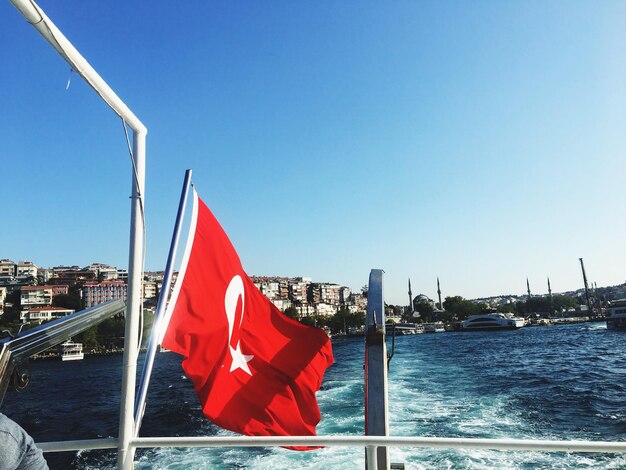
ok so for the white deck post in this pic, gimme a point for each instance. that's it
(38, 19)
(372, 462)
(133, 306)
(376, 421)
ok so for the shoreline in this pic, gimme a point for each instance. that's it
(49, 356)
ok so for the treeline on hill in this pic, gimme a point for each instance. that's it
(109, 334)
(457, 308)
(339, 323)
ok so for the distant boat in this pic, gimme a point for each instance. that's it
(493, 321)
(403, 329)
(616, 317)
(70, 351)
(436, 327)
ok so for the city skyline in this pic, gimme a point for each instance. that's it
(479, 143)
(257, 279)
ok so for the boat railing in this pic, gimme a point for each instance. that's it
(369, 442)
(15, 351)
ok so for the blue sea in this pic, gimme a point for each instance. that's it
(555, 382)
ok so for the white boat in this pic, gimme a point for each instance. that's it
(436, 327)
(403, 329)
(616, 316)
(493, 321)
(70, 351)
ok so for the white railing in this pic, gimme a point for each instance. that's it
(370, 443)
(535, 445)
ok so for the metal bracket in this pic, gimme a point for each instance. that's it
(15, 350)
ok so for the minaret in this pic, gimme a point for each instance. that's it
(550, 295)
(439, 294)
(528, 288)
(582, 265)
(410, 298)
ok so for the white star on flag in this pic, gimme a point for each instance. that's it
(240, 360)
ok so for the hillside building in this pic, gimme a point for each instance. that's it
(95, 293)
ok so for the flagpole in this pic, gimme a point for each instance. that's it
(158, 316)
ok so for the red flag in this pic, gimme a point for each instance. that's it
(255, 370)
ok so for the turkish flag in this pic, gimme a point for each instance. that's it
(255, 370)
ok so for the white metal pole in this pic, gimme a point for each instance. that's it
(38, 19)
(159, 325)
(133, 306)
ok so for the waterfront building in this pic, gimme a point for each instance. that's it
(355, 309)
(44, 275)
(423, 298)
(95, 293)
(322, 292)
(35, 296)
(71, 275)
(344, 295)
(149, 289)
(41, 314)
(153, 275)
(60, 289)
(62, 268)
(103, 272)
(25, 269)
(269, 289)
(329, 293)
(393, 318)
(359, 301)
(325, 310)
(7, 268)
(14, 284)
(41, 295)
(272, 287)
(305, 310)
(313, 293)
(298, 290)
(283, 289)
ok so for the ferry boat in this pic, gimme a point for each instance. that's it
(616, 316)
(437, 327)
(492, 321)
(71, 351)
(403, 329)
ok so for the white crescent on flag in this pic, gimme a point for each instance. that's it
(234, 290)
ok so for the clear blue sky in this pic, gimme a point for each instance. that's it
(481, 142)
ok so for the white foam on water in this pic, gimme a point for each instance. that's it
(426, 398)
(191, 459)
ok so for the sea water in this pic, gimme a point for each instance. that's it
(554, 382)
